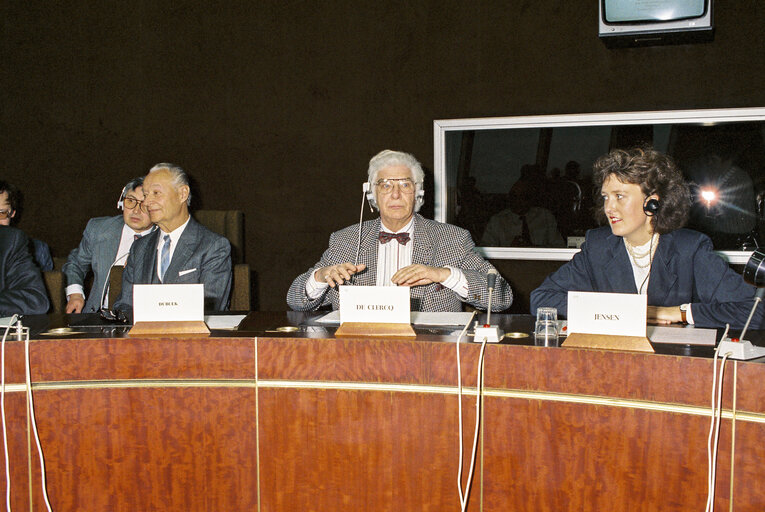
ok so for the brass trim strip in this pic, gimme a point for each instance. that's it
(547, 396)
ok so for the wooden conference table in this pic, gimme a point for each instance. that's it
(260, 419)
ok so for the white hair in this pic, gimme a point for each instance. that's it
(179, 176)
(388, 158)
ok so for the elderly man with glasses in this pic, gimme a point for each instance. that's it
(105, 243)
(401, 248)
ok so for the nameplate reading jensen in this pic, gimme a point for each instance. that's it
(168, 302)
(375, 304)
(619, 314)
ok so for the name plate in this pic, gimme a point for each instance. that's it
(375, 304)
(619, 314)
(168, 302)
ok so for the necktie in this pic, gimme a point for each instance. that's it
(386, 237)
(136, 237)
(164, 261)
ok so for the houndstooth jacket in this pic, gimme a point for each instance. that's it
(435, 244)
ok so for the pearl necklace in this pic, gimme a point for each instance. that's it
(636, 255)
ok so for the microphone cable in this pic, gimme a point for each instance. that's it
(464, 495)
(13, 319)
(31, 411)
(31, 404)
(106, 282)
(364, 190)
(714, 426)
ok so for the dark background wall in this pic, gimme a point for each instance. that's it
(275, 107)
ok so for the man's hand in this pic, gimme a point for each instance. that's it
(75, 303)
(664, 315)
(418, 275)
(337, 274)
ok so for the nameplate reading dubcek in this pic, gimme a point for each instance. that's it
(620, 314)
(375, 304)
(168, 302)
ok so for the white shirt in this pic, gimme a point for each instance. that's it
(174, 236)
(391, 257)
(123, 249)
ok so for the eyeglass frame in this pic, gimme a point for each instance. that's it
(398, 181)
(6, 214)
(138, 202)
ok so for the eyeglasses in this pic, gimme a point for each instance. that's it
(5, 214)
(405, 185)
(131, 203)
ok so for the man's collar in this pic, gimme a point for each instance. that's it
(405, 229)
(176, 233)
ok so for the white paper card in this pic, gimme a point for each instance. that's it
(620, 314)
(686, 335)
(224, 321)
(168, 302)
(378, 304)
(430, 318)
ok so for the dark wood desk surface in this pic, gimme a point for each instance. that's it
(272, 421)
(268, 323)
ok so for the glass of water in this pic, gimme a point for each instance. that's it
(546, 327)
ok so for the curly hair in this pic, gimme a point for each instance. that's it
(655, 173)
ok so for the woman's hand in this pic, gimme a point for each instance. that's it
(664, 315)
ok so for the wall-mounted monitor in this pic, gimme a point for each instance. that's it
(654, 22)
(489, 172)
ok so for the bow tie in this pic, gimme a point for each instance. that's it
(386, 237)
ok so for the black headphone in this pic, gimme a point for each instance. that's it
(651, 206)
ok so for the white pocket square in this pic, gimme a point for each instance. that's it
(184, 272)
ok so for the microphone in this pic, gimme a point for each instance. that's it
(754, 274)
(487, 332)
(491, 280)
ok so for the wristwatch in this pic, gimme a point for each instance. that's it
(684, 313)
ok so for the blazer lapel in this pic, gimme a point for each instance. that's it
(150, 259)
(663, 279)
(182, 252)
(422, 252)
(368, 255)
(618, 269)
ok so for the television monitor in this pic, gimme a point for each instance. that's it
(625, 23)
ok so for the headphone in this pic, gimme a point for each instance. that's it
(120, 202)
(419, 196)
(651, 206)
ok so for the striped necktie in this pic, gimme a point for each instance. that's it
(164, 261)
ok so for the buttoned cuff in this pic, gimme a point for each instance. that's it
(313, 288)
(689, 315)
(74, 288)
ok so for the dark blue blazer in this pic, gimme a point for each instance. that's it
(685, 270)
(22, 289)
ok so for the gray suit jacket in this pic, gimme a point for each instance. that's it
(97, 251)
(435, 244)
(206, 254)
(22, 289)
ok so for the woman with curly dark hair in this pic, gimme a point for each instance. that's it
(646, 203)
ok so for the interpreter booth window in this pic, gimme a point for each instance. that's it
(523, 186)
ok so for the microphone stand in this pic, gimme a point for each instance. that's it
(740, 348)
(489, 333)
